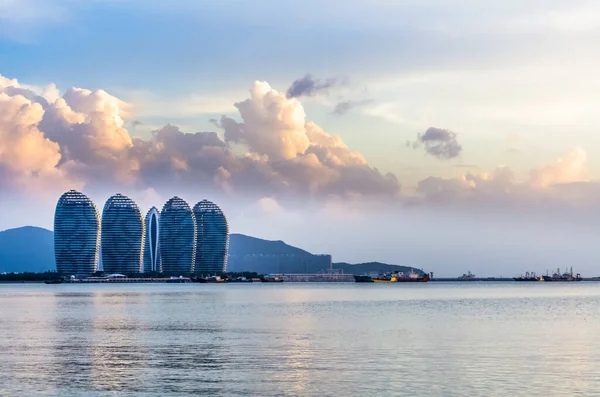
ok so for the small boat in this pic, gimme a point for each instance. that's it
(57, 281)
(240, 280)
(271, 279)
(212, 279)
(466, 277)
(216, 279)
(179, 279)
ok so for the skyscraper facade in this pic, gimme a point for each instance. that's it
(152, 250)
(122, 235)
(76, 234)
(177, 237)
(212, 240)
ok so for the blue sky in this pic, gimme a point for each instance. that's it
(516, 81)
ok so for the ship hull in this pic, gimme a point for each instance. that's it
(367, 279)
(526, 279)
(559, 280)
(415, 280)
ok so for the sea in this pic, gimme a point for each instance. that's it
(422, 339)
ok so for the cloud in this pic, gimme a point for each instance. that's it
(81, 140)
(28, 160)
(341, 108)
(564, 180)
(309, 86)
(269, 205)
(273, 124)
(82, 136)
(439, 143)
(298, 154)
(568, 169)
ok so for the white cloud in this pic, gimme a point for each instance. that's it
(568, 169)
(288, 156)
(273, 124)
(270, 206)
(556, 182)
(82, 139)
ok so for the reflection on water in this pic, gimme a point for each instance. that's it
(306, 339)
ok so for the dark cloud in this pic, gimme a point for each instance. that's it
(309, 86)
(33, 97)
(341, 108)
(438, 142)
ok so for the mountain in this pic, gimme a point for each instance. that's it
(27, 249)
(240, 244)
(31, 249)
(263, 256)
(373, 267)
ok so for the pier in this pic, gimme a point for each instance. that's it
(102, 280)
(316, 277)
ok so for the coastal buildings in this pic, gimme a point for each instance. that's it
(76, 234)
(177, 237)
(122, 236)
(176, 240)
(212, 241)
(152, 247)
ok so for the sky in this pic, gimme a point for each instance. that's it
(449, 135)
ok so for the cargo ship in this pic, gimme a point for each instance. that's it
(399, 277)
(566, 276)
(529, 277)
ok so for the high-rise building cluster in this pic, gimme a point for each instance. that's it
(176, 240)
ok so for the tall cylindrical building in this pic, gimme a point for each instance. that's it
(212, 238)
(76, 235)
(152, 246)
(177, 237)
(122, 235)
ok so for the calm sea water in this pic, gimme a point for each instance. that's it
(446, 339)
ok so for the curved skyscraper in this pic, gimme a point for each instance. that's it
(122, 235)
(177, 237)
(212, 238)
(76, 234)
(152, 247)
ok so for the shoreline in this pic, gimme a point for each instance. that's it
(164, 281)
